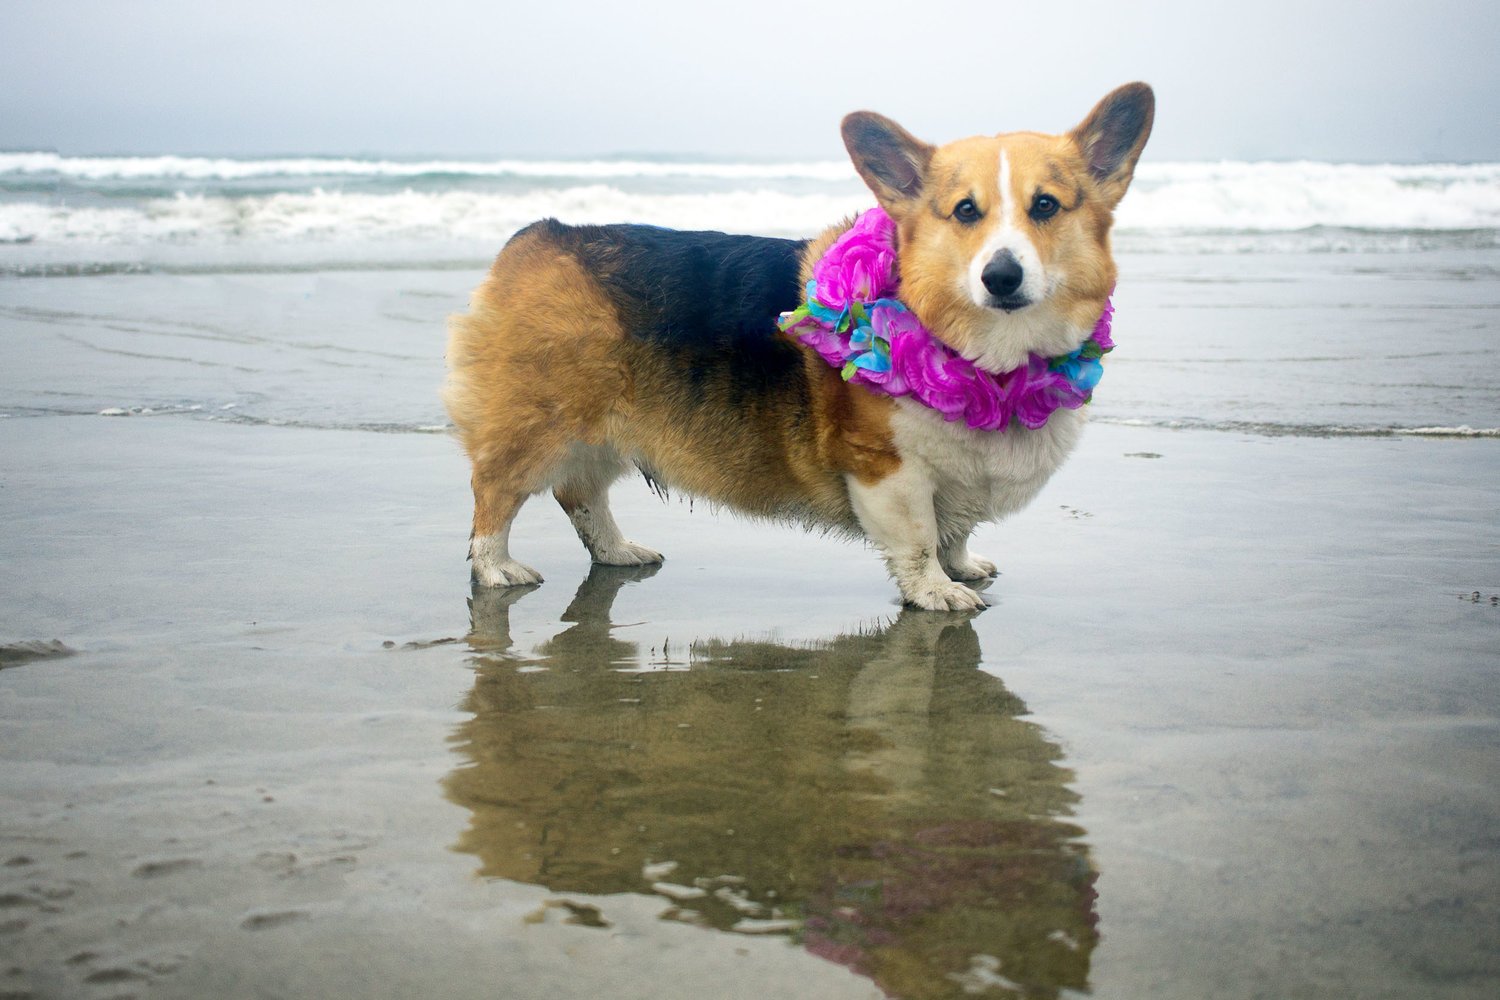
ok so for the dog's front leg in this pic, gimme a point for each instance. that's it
(897, 515)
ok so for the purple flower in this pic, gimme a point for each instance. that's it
(831, 347)
(861, 265)
(1101, 335)
(1040, 392)
(924, 367)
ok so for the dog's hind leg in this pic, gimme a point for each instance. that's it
(961, 564)
(536, 368)
(583, 492)
(503, 478)
(495, 508)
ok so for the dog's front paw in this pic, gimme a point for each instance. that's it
(968, 566)
(945, 595)
(505, 573)
(628, 554)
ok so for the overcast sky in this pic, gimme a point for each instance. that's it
(1363, 81)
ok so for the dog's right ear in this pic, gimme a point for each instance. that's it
(892, 161)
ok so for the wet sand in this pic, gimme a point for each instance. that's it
(1228, 730)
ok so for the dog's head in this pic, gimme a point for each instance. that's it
(1004, 240)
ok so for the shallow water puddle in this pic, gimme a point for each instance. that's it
(875, 797)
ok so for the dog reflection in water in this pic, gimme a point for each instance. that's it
(876, 796)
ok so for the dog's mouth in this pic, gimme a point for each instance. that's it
(1009, 303)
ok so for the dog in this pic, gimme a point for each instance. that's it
(591, 349)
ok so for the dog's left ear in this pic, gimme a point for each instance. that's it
(892, 161)
(1112, 136)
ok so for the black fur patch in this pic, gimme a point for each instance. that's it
(712, 299)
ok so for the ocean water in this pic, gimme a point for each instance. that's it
(74, 212)
(1276, 298)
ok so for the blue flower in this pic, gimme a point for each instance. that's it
(874, 360)
(836, 318)
(1083, 373)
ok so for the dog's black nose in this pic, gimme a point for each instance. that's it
(1002, 275)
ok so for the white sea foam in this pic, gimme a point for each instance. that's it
(222, 168)
(409, 215)
(1270, 197)
(312, 199)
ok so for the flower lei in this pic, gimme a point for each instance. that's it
(854, 321)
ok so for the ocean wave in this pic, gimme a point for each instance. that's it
(140, 168)
(1204, 207)
(323, 215)
(1272, 197)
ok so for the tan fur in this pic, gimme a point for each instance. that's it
(542, 361)
(1076, 240)
(531, 371)
(549, 388)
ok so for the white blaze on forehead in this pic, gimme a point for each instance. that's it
(1008, 235)
(1007, 199)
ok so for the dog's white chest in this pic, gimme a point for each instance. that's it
(982, 475)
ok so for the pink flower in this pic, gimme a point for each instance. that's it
(831, 347)
(1040, 391)
(933, 374)
(1103, 327)
(861, 266)
(923, 367)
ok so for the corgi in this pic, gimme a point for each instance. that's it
(589, 350)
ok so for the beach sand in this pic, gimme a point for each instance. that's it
(1228, 729)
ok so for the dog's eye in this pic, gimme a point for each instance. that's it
(966, 211)
(1044, 207)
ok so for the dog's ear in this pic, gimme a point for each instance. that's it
(892, 161)
(1112, 136)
